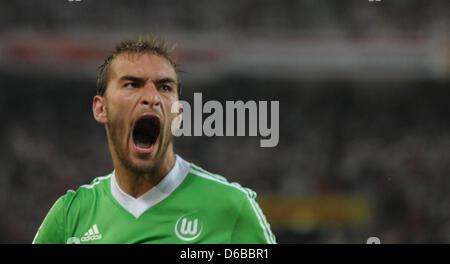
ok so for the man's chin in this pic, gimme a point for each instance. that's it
(141, 168)
(142, 163)
(139, 163)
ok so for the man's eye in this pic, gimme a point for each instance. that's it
(165, 88)
(131, 85)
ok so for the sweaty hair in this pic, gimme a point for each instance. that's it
(150, 45)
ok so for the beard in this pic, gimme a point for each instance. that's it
(116, 134)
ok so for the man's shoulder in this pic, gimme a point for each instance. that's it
(230, 201)
(87, 192)
(218, 185)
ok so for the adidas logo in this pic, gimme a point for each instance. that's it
(92, 234)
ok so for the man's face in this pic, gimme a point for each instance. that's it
(137, 103)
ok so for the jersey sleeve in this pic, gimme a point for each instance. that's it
(52, 229)
(251, 225)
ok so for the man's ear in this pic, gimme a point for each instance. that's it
(180, 109)
(99, 109)
(177, 109)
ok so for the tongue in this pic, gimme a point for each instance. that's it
(142, 141)
(143, 145)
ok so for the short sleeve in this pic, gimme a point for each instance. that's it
(251, 225)
(52, 229)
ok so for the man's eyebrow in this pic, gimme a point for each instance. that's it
(165, 80)
(131, 78)
(143, 80)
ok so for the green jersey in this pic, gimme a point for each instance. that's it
(190, 205)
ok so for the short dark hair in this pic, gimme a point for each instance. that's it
(151, 45)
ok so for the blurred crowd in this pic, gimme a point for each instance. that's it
(345, 18)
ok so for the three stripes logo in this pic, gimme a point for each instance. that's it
(92, 234)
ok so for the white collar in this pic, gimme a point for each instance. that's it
(137, 206)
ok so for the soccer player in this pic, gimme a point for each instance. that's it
(152, 195)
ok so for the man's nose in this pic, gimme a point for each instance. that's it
(150, 95)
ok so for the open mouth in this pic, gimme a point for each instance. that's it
(146, 132)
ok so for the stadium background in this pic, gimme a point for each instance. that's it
(364, 114)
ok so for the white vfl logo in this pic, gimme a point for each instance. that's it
(373, 240)
(188, 229)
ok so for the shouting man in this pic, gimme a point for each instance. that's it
(152, 195)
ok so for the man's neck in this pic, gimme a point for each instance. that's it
(137, 184)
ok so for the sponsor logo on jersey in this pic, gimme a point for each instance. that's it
(188, 228)
(91, 235)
